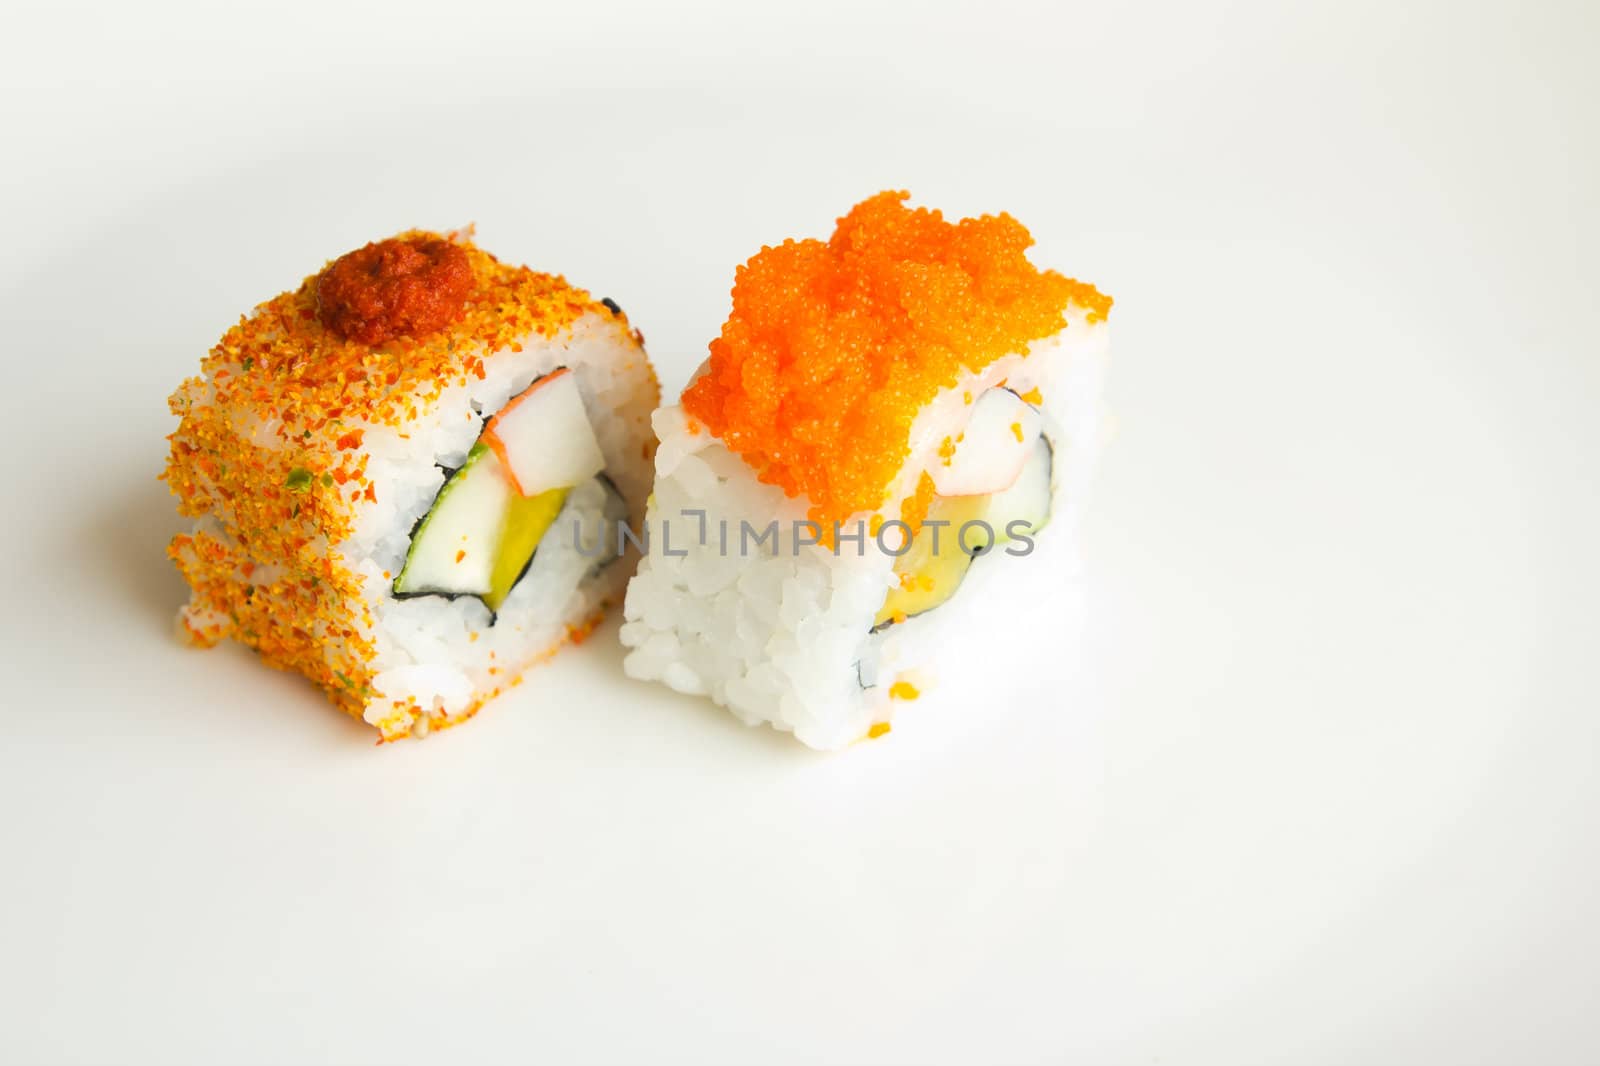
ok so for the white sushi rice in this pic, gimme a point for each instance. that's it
(783, 637)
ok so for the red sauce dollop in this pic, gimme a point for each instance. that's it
(401, 287)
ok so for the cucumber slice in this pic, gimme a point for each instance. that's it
(479, 534)
(1024, 508)
(455, 548)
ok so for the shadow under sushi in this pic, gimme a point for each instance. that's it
(123, 547)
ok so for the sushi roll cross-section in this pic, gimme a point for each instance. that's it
(404, 475)
(886, 415)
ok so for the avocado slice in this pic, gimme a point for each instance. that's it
(929, 576)
(527, 520)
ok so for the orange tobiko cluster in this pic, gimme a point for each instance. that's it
(834, 347)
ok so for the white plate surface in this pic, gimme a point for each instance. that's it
(1304, 770)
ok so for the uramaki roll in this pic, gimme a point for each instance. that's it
(390, 469)
(885, 415)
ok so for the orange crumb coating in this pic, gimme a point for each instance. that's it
(833, 348)
(267, 448)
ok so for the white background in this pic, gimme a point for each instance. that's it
(1306, 773)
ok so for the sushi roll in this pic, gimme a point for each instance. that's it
(886, 416)
(401, 474)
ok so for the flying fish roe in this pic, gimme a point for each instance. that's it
(914, 508)
(833, 348)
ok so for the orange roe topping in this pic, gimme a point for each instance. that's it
(876, 730)
(832, 348)
(914, 508)
(404, 286)
(903, 690)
